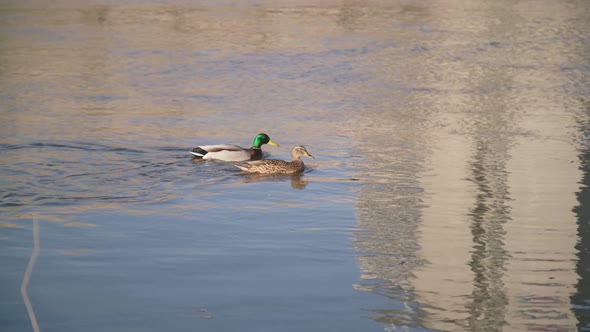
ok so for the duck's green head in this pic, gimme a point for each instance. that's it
(261, 139)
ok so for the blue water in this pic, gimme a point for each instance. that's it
(447, 194)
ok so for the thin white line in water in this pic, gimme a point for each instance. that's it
(32, 260)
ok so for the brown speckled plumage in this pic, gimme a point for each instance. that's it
(276, 166)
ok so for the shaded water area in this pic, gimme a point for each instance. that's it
(449, 190)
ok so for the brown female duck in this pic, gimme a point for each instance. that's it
(276, 166)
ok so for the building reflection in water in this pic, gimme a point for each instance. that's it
(470, 184)
(580, 300)
(490, 212)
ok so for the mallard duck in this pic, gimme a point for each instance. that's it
(230, 152)
(276, 166)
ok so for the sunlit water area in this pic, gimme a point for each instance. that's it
(449, 190)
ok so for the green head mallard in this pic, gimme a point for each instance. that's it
(231, 152)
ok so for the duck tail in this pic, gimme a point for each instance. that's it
(242, 167)
(198, 152)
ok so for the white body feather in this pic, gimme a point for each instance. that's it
(225, 152)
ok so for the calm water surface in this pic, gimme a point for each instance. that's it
(449, 191)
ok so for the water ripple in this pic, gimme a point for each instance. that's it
(58, 174)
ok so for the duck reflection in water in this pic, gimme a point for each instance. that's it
(296, 181)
